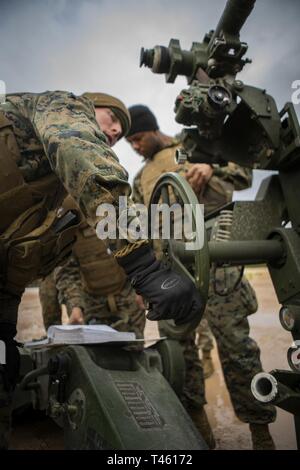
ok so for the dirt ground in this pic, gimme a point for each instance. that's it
(34, 431)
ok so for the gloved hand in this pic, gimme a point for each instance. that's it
(170, 295)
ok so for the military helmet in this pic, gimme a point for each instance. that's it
(102, 100)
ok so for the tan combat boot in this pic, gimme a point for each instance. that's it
(261, 437)
(200, 420)
(207, 364)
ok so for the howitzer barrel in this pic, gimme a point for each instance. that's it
(233, 18)
(267, 388)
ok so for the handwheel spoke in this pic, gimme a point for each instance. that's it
(165, 195)
(194, 264)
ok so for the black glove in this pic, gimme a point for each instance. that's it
(170, 295)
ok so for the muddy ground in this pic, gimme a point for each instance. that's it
(34, 431)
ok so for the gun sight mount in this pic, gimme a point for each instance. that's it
(221, 52)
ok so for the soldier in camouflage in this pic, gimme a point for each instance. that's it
(91, 284)
(205, 344)
(51, 144)
(231, 297)
(51, 308)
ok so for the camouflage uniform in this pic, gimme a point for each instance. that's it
(57, 132)
(51, 309)
(226, 315)
(204, 338)
(205, 344)
(49, 139)
(239, 354)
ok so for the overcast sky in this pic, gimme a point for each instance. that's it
(94, 45)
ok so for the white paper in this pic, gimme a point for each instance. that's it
(82, 334)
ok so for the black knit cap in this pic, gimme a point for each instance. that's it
(142, 120)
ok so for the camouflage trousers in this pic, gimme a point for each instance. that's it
(193, 390)
(204, 336)
(51, 308)
(239, 354)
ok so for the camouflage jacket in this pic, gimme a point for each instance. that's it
(57, 132)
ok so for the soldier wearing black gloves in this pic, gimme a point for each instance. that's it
(170, 295)
(51, 144)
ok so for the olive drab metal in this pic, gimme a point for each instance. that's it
(111, 399)
(232, 121)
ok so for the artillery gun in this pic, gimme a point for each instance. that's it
(230, 121)
(110, 396)
(107, 398)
